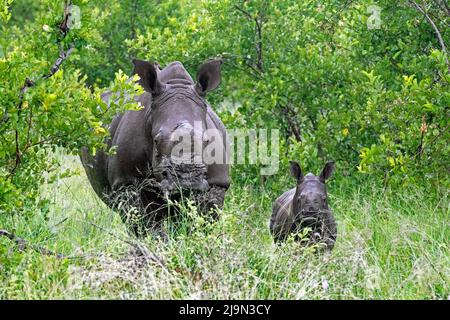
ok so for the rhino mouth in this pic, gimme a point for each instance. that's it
(308, 218)
(311, 222)
(168, 185)
(179, 178)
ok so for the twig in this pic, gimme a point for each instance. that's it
(248, 15)
(444, 6)
(141, 248)
(23, 245)
(258, 31)
(64, 26)
(63, 55)
(246, 62)
(423, 130)
(447, 7)
(433, 15)
(436, 30)
(422, 144)
(290, 115)
(259, 44)
(30, 118)
(28, 83)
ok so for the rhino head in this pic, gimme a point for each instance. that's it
(176, 122)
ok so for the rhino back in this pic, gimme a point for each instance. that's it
(281, 221)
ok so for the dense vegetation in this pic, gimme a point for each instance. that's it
(373, 97)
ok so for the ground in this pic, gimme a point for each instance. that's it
(391, 245)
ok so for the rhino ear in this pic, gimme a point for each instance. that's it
(296, 171)
(327, 171)
(208, 76)
(148, 72)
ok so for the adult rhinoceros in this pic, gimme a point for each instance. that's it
(142, 171)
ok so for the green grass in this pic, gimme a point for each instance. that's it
(391, 245)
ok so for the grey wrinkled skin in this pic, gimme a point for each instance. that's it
(141, 175)
(305, 206)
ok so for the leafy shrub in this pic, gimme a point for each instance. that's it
(46, 105)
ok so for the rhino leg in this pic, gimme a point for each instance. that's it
(330, 230)
(211, 200)
(324, 235)
(281, 225)
(140, 210)
(155, 211)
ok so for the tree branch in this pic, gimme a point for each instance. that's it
(141, 249)
(258, 31)
(259, 44)
(444, 6)
(28, 83)
(436, 30)
(290, 115)
(63, 55)
(23, 245)
(248, 15)
(247, 63)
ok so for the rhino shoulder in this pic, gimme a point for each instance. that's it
(282, 220)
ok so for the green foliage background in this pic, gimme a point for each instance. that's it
(377, 101)
(337, 89)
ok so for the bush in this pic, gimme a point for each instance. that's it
(46, 105)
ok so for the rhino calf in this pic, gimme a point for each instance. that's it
(305, 206)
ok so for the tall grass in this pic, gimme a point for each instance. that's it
(391, 245)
